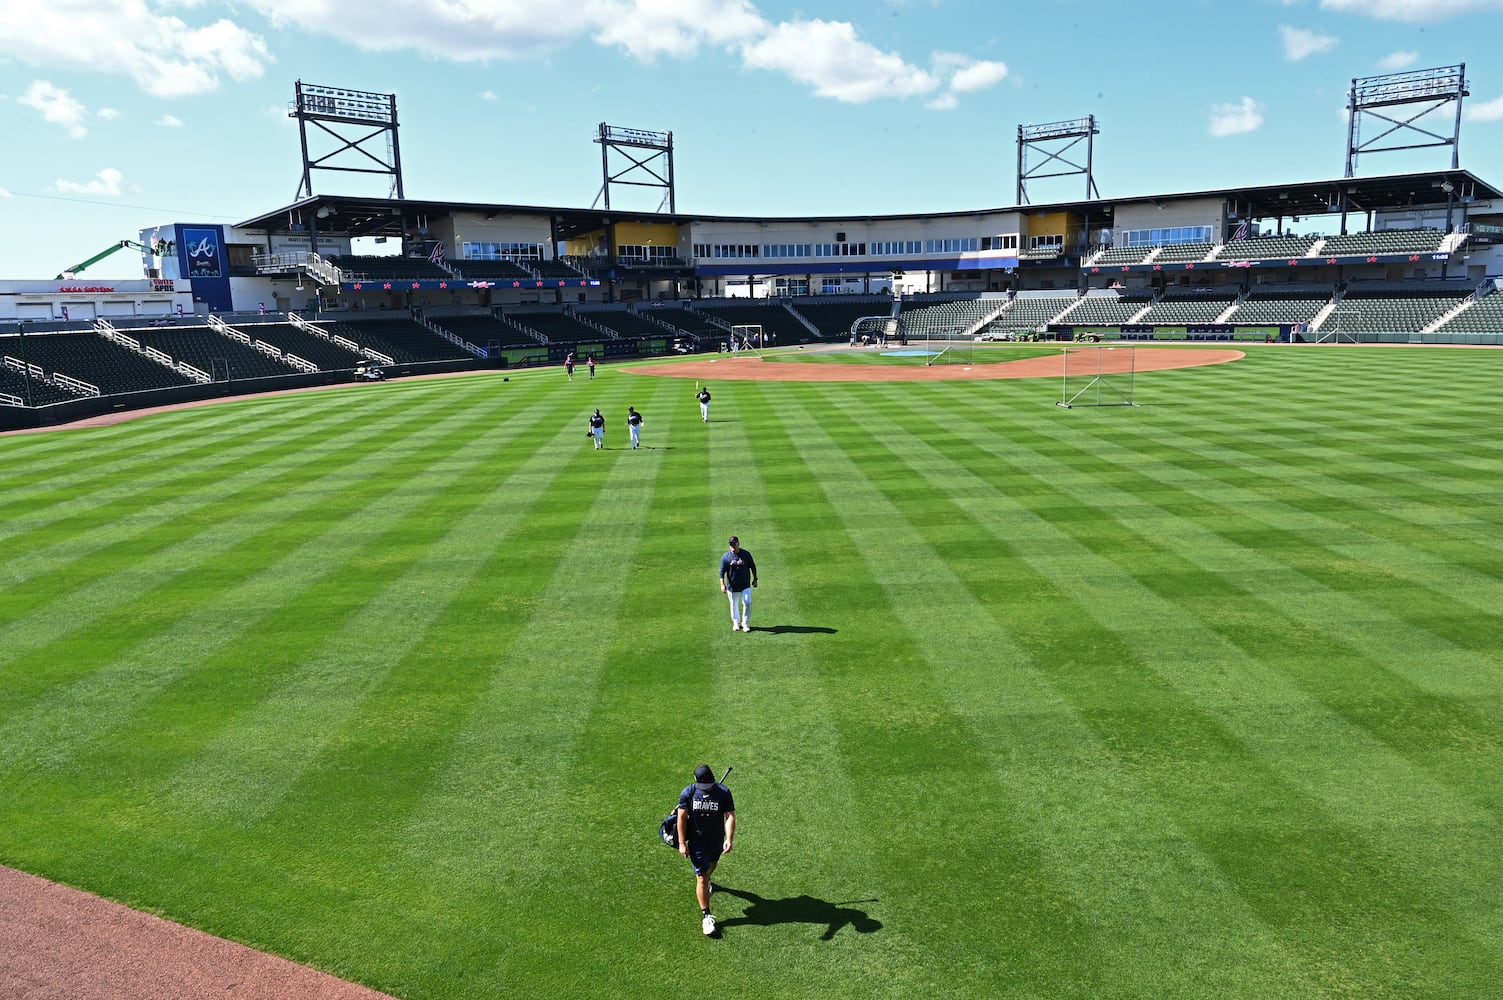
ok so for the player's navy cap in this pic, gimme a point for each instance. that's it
(734, 541)
(703, 774)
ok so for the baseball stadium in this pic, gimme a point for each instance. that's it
(1129, 619)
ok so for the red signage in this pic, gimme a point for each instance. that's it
(86, 288)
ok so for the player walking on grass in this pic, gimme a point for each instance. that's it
(706, 830)
(634, 424)
(597, 429)
(703, 396)
(738, 575)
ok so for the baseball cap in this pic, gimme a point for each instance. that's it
(734, 541)
(703, 774)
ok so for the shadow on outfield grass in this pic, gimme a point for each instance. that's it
(763, 912)
(796, 630)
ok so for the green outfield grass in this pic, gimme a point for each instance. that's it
(1201, 698)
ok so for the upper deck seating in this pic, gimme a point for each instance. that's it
(1288, 246)
(1184, 253)
(1384, 241)
(1123, 255)
(491, 270)
(356, 268)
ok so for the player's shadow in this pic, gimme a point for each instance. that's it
(796, 630)
(763, 912)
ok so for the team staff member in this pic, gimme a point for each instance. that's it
(706, 830)
(597, 429)
(738, 575)
(704, 403)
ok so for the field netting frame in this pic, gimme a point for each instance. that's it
(1100, 376)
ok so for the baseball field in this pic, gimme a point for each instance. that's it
(1200, 697)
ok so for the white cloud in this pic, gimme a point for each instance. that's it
(170, 121)
(4, 193)
(1395, 61)
(165, 56)
(457, 31)
(1485, 111)
(829, 58)
(56, 106)
(650, 28)
(1235, 119)
(487, 95)
(108, 114)
(1412, 11)
(944, 102)
(108, 181)
(969, 75)
(1300, 43)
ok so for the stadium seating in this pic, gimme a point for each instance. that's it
(102, 363)
(1383, 241)
(1266, 247)
(1391, 310)
(491, 270)
(554, 269)
(1031, 309)
(389, 268)
(401, 339)
(1108, 309)
(40, 393)
(626, 323)
(1189, 307)
(833, 318)
(1184, 252)
(688, 321)
(1277, 306)
(323, 352)
(773, 317)
(1483, 316)
(951, 319)
(556, 326)
(483, 331)
(213, 353)
(1123, 255)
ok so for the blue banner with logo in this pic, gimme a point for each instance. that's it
(201, 259)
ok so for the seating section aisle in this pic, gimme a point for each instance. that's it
(688, 321)
(1189, 307)
(1275, 306)
(1483, 316)
(102, 363)
(14, 383)
(1391, 311)
(1028, 311)
(392, 268)
(328, 355)
(405, 341)
(213, 353)
(555, 269)
(491, 270)
(833, 320)
(774, 318)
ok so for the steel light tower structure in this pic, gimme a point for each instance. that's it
(650, 156)
(1069, 134)
(351, 119)
(1398, 102)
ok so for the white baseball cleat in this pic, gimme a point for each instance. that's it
(708, 924)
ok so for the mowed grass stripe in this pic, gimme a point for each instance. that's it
(1207, 741)
(911, 756)
(1400, 808)
(187, 601)
(1066, 848)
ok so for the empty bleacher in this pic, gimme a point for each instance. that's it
(833, 318)
(1183, 253)
(956, 318)
(687, 320)
(1483, 316)
(1032, 309)
(483, 331)
(367, 268)
(1391, 310)
(1383, 241)
(1108, 308)
(24, 388)
(557, 326)
(110, 367)
(1189, 307)
(491, 270)
(626, 323)
(293, 339)
(403, 340)
(555, 269)
(1288, 246)
(212, 353)
(1276, 306)
(1123, 255)
(773, 317)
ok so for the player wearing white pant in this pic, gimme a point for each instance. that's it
(634, 424)
(704, 404)
(738, 577)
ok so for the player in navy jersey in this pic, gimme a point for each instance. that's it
(738, 575)
(597, 429)
(706, 830)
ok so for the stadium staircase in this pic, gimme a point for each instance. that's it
(271, 350)
(459, 342)
(107, 330)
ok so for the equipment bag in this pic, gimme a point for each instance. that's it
(668, 830)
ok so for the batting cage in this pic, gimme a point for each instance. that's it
(1097, 376)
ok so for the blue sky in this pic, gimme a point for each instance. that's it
(121, 114)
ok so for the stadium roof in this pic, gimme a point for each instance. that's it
(392, 217)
